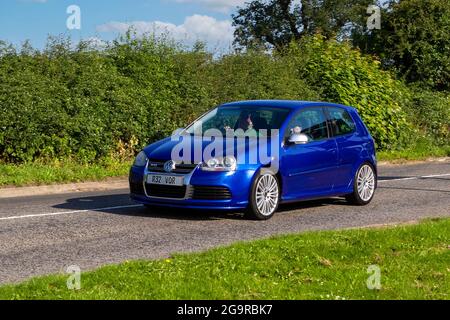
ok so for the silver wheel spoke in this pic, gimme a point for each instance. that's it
(366, 183)
(267, 194)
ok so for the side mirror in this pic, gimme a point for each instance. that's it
(298, 138)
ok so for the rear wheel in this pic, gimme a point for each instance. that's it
(363, 186)
(264, 197)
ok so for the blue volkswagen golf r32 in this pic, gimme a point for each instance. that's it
(254, 155)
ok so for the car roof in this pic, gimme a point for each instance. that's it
(290, 104)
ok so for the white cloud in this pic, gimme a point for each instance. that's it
(223, 6)
(197, 27)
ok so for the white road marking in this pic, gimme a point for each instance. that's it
(437, 175)
(138, 205)
(416, 178)
(400, 179)
(68, 212)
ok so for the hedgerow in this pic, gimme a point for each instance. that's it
(88, 103)
(343, 75)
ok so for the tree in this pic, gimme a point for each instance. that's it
(414, 40)
(275, 23)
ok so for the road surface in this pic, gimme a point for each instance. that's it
(45, 234)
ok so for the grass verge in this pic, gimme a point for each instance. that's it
(414, 261)
(60, 172)
(422, 150)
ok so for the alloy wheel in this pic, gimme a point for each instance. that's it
(366, 183)
(267, 194)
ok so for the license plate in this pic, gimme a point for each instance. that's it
(165, 180)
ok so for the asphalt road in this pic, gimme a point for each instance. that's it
(46, 234)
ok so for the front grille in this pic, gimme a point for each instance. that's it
(158, 166)
(162, 191)
(211, 193)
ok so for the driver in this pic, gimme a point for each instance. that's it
(245, 123)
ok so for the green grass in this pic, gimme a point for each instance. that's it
(414, 262)
(60, 172)
(422, 150)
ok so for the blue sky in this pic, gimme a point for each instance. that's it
(185, 20)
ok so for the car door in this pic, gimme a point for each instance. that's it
(349, 143)
(307, 169)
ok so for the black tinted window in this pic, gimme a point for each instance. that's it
(341, 121)
(311, 122)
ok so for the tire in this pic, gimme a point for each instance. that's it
(264, 197)
(364, 185)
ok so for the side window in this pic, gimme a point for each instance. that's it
(341, 122)
(311, 122)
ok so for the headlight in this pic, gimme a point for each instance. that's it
(227, 163)
(141, 160)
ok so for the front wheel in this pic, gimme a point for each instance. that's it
(363, 186)
(264, 197)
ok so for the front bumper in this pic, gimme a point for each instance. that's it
(238, 183)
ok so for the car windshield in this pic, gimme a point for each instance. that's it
(240, 121)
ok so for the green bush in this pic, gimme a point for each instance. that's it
(91, 104)
(343, 75)
(257, 75)
(87, 104)
(430, 112)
